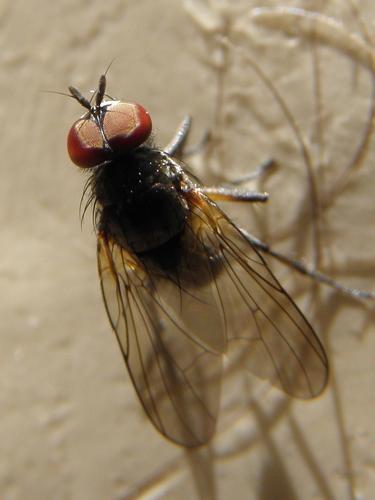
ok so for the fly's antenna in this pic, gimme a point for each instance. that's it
(76, 94)
(100, 93)
(94, 110)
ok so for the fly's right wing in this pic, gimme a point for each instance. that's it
(274, 339)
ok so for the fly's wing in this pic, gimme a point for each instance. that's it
(176, 378)
(276, 340)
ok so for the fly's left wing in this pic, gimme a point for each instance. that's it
(176, 378)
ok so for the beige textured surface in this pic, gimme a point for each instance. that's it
(71, 427)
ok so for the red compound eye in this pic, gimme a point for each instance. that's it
(85, 144)
(125, 126)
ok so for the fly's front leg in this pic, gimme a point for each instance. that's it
(176, 145)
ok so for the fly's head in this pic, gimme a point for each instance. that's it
(108, 128)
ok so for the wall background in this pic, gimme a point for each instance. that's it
(70, 426)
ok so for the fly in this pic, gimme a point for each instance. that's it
(180, 281)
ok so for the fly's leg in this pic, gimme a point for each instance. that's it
(230, 193)
(176, 145)
(197, 148)
(234, 194)
(263, 169)
(222, 193)
(301, 268)
(218, 193)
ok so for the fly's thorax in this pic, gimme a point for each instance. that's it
(126, 177)
(142, 206)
